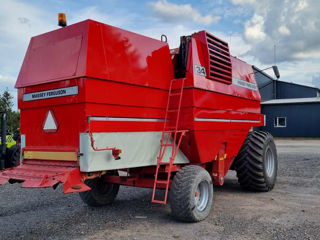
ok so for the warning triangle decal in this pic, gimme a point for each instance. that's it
(50, 124)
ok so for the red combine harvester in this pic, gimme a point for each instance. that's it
(103, 107)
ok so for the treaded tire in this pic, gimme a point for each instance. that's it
(12, 156)
(101, 193)
(251, 163)
(183, 191)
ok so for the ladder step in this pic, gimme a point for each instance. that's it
(162, 181)
(172, 130)
(159, 201)
(168, 145)
(164, 163)
(174, 94)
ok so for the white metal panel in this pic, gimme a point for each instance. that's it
(53, 93)
(138, 149)
(22, 145)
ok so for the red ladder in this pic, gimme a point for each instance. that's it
(169, 130)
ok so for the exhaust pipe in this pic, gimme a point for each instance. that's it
(3, 149)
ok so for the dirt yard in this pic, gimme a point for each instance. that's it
(290, 211)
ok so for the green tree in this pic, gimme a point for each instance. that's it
(13, 117)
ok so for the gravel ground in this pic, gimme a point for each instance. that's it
(290, 211)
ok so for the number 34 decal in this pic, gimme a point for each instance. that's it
(200, 70)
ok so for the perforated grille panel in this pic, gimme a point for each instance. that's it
(219, 60)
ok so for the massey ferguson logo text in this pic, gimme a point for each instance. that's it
(59, 92)
(244, 84)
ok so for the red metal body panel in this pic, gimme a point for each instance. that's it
(46, 174)
(120, 74)
(97, 50)
(240, 70)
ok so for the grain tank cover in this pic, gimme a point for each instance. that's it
(94, 49)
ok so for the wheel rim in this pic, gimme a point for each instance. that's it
(202, 195)
(270, 162)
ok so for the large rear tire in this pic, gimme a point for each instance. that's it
(101, 193)
(191, 194)
(256, 163)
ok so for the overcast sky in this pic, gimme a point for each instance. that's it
(252, 28)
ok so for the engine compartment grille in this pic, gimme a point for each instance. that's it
(219, 60)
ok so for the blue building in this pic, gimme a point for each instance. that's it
(293, 117)
(291, 110)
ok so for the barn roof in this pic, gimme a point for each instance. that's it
(292, 101)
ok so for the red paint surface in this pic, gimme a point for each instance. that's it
(123, 74)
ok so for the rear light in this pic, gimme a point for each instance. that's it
(116, 154)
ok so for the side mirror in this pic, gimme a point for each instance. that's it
(276, 71)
